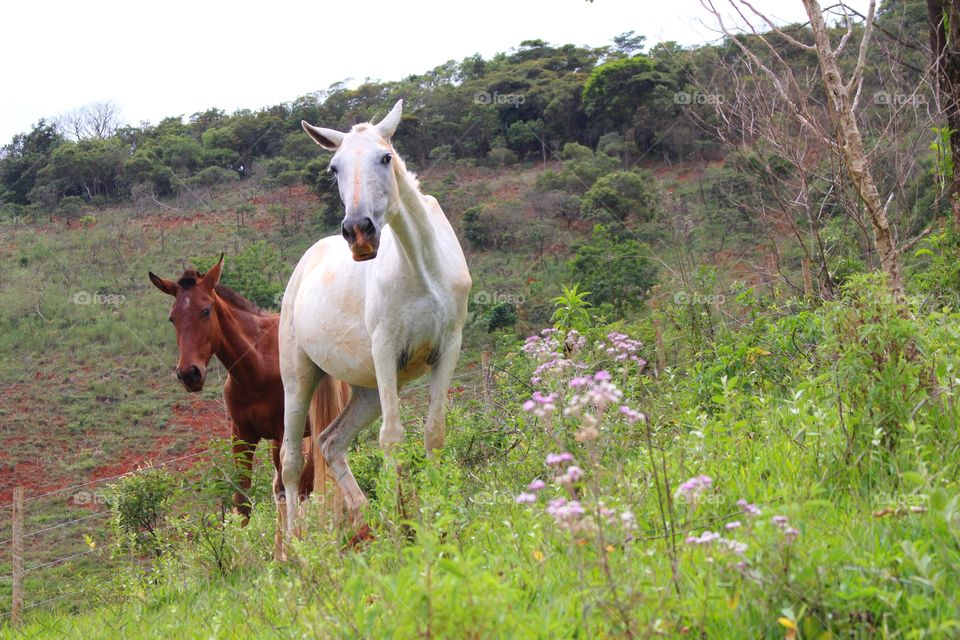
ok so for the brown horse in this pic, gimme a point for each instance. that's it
(213, 320)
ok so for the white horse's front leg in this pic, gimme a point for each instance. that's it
(385, 362)
(300, 376)
(434, 432)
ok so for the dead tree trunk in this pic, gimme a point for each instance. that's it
(841, 100)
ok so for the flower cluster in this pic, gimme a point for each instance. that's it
(708, 538)
(783, 524)
(574, 342)
(711, 538)
(569, 513)
(540, 405)
(542, 347)
(631, 415)
(594, 392)
(623, 348)
(749, 509)
(566, 513)
(547, 349)
(691, 490)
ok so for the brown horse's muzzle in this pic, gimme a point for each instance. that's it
(192, 378)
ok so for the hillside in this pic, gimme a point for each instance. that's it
(708, 384)
(753, 414)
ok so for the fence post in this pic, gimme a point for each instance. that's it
(486, 372)
(807, 279)
(658, 332)
(17, 608)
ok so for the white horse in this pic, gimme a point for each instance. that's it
(378, 310)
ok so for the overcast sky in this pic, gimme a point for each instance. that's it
(177, 58)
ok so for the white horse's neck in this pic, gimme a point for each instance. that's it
(414, 227)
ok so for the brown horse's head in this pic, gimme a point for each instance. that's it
(195, 319)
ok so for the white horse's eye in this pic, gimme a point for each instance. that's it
(332, 169)
(385, 159)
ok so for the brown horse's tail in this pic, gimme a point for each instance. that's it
(328, 401)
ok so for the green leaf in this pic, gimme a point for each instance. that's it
(912, 479)
(450, 566)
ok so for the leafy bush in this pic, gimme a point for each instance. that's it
(878, 376)
(257, 273)
(501, 157)
(212, 176)
(618, 197)
(475, 231)
(139, 503)
(614, 270)
(501, 316)
(577, 174)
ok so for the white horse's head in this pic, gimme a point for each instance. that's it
(363, 165)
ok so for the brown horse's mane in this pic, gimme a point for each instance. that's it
(191, 277)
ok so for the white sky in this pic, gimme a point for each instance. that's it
(175, 57)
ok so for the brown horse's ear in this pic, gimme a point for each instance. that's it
(169, 288)
(212, 277)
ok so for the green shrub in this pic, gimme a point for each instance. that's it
(475, 230)
(618, 197)
(139, 504)
(615, 271)
(212, 176)
(501, 157)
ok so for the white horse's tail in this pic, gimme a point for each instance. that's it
(328, 401)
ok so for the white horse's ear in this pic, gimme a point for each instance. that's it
(329, 139)
(388, 125)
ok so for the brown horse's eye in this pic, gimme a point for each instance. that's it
(205, 313)
(385, 159)
(170, 319)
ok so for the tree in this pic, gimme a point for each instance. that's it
(944, 24)
(614, 270)
(98, 120)
(628, 44)
(22, 160)
(616, 89)
(618, 196)
(88, 168)
(829, 123)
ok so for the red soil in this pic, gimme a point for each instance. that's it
(195, 421)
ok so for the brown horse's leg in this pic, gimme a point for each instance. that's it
(278, 498)
(306, 476)
(243, 450)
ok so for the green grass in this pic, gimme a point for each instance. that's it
(809, 413)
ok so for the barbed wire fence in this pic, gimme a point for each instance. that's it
(86, 494)
(80, 494)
